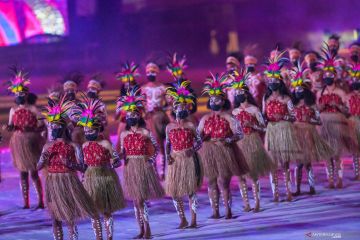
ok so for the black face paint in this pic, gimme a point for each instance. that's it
(250, 69)
(92, 95)
(313, 66)
(91, 137)
(151, 78)
(20, 100)
(354, 58)
(132, 121)
(183, 114)
(240, 98)
(274, 86)
(355, 86)
(71, 96)
(329, 81)
(299, 95)
(215, 107)
(57, 133)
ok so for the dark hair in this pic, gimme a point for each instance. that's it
(282, 90)
(249, 98)
(226, 106)
(31, 98)
(309, 97)
(313, 52)
(237, 55)
(334, 36)
(141, 124)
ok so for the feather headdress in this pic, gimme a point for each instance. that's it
(20, 81)
(177, 66)
(88, 111)
(216, 85)
(297, 76)
(275, 64)
(133, 101)
(180, 93)
(354, 70)
(239, 79)
(57, 111)
(128, 72)
(328, 61)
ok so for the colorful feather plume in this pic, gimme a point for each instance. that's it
(216, 85)
(180, 93)
(177, 66)
(275, 64)
(133, 101)
(20, 81)
(128, 72)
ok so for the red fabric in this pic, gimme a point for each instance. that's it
(58, 152)
(304, 113)
(96, 155)
(245, 118)
(327, 99)
(24, 118)
(217, 127)
(354, 103)
(276, 110)
(136, 144)
(181, 138)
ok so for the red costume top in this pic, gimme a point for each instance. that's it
(24, 118)
(354, 104)
(276, 110)
(217, 127)
(327, 100)
(58, 152)
(96, 155)
(304, 113)
(136, 144)
(181, 138)
(245, 119)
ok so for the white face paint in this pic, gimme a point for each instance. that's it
(154, 97)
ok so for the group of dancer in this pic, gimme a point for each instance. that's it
(258, 125)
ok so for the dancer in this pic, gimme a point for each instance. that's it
(314, 148)
(255, 81)
(219, 131)
(251, 146)
(101, 180)
(280, 139)
(66, 198)
(26, 141)
(139, 150)
(313, 72)
(334, 128)
(155, 116)
(127, 75)
(353, 104)
(184, 173)
(232, 66)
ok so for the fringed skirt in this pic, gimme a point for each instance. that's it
(354, 126)
(67, 199)
(157, 122)
(103, 186)
(258, 160)
(335, 131)
(314, 147)
(141, 181)
(184, 175)
(219, 160)
(282, 143)
(26, 149)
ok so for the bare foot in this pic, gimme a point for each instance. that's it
(228, 214)
(183, 224)
(247, 208)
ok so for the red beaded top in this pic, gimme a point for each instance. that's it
(304, 113)
(276, 110)
(58, 152)
(181, 138)
(327, 99)
(354, 104)
(245, 118)
(24, 118)
(96, 155)
(135, 144)
(217, 127)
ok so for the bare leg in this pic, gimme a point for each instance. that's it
(330, 172)
(73, 231)
(274, 181)
(57, 230)
(193, 208)
(287, 182)
(224, 184)
(179, 206)
(244, 193)
(38, 187)
(96, 225)
(298, 178)
(109, 226)
(139, 220)
(213, 192)
(256, 192)
(311, 178)
(339, 171)
(24, 184)
(145, 216)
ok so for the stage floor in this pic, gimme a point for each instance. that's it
(307, 217)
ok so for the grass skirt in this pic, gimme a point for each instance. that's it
(258, 160)
(218, 159)
(103, 186)
(314, 147)
(141, 181)
(282, 143)
(26, 149)
(67, 199)
(335, 131)
(184, 175)
(354, 125)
